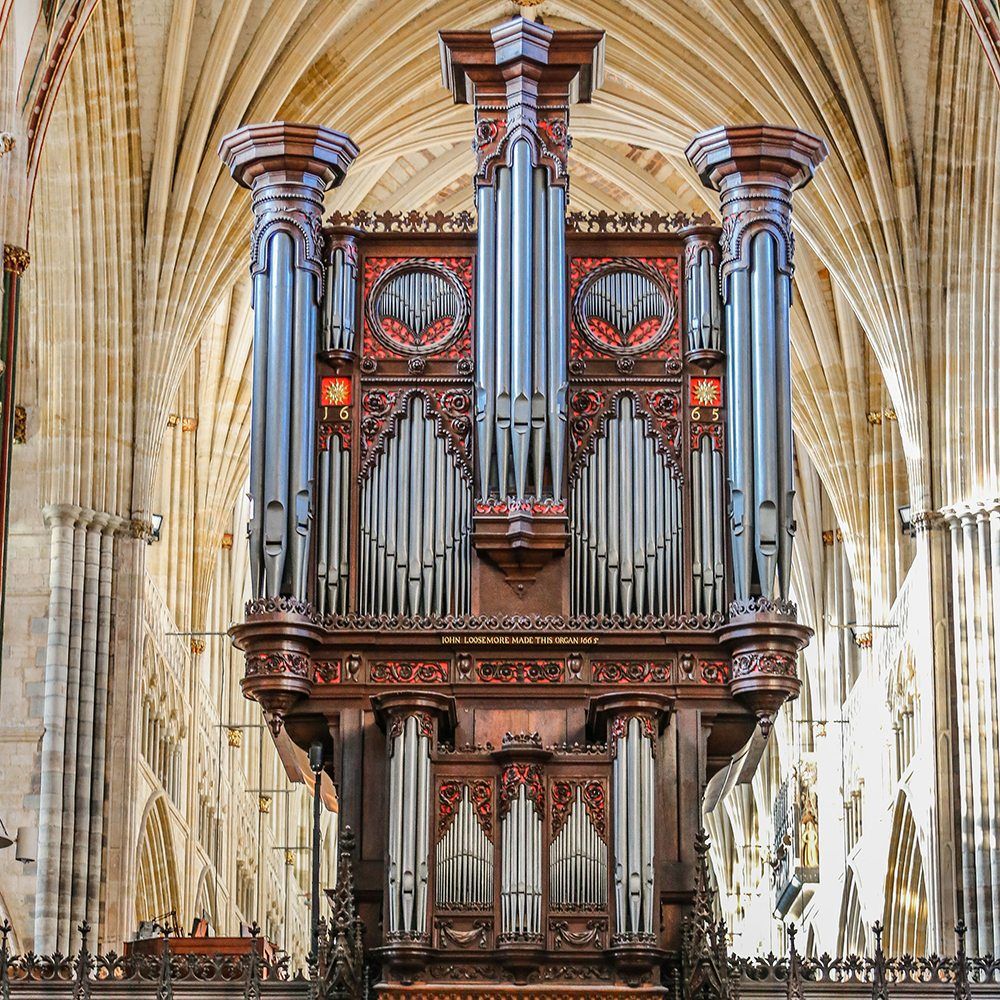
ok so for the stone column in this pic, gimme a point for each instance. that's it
(288, 167)
(15, 260)
(74, 745)
(974, 599)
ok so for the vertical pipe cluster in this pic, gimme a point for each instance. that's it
(409, 819)
(72, 793)
(333, 520)
(708, 546)
(521, 868)
(703, 307)
(416, 519)
(625, 515)
(632, 796)
(578, 862)
(340, 295)
(285, 304)
(760, 453)
(756, 168)
(521, 366)
(464, 867)
(288, 167)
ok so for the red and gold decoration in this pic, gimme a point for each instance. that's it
(409, 672)
(645, 322)
(594, 797)
(417, 307)
(520, 671)
(513, 777)
(631, 671)
(480, 795)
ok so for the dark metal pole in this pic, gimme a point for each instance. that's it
(316, 766)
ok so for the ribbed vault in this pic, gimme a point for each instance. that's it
(305, 60)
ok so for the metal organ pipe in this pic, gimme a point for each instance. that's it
(708, 546)
(521, 874)
(521, 364)
(333, 510)
(756, 169)
(578, 862)
(633, 790)
(409, 815)
(626, 524)
(416, 521)
(288, 167)
(703, 306)
(340, 282)
(464, 864)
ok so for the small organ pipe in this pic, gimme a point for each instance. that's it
(703, 312)
(409, 816)
(340, 295)
(520, 891)
(625, 524)
(502, 388)
(521, 312)
(419, 562)
(577, 865)
(633, 795)
(557, 372)
(539, 318)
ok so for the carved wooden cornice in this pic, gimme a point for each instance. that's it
(462, 223)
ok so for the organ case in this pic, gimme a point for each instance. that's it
(515, 636)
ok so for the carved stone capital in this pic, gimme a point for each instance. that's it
(15, 259)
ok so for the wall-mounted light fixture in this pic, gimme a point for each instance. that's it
(906, 525)
(156, 520)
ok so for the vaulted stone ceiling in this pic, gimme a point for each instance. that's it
(889, 236)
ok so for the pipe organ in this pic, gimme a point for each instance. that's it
(522, 518)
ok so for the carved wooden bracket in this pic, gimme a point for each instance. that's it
(519, 539)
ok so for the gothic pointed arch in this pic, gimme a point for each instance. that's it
(157, 891)
(206, 901)
(853, 933)
(905, 888)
